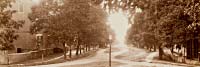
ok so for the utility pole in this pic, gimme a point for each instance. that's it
(110, 57)
(40, 45)
(110, 38)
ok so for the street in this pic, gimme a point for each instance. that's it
(99, 33)
(122, 56)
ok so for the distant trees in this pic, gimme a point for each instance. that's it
(80, 24)
(168, 22)
(172, 22)
(8, 26)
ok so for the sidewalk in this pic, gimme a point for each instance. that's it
(173, 63)
(46, 59)
(34, 61)
(55, 58)
(193, 62)
(153, 56)
(52, 59)
(38, 60)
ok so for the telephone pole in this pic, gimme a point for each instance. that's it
(110, 38)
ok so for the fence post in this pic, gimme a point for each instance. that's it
(199, 56)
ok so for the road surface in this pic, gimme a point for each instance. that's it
(122, 56)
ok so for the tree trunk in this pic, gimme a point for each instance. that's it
(77, 49)
(189, 49)
(154, 48)
(85, 48)
(196, 45)
(172, 50)
(160, 52)
(70, 51)
(89, 47)
(172, 45)
(65, 57)
(80, 50)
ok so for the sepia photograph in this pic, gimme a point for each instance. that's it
(99, 33)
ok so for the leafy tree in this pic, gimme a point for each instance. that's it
(170, 21)
(77, 23)
(8, 26)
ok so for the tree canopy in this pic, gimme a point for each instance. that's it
(169, 21)
(166, 19)
(75, 22)
(8, 26)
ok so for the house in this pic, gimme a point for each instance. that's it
(25, 41)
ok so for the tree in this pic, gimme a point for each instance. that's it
(8, 26)
(169, 20)
(75, 22)
(164, 18)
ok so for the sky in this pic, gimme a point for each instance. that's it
(118, 21)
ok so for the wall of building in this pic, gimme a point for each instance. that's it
(25, 40)
(3, 57)
(6, 58)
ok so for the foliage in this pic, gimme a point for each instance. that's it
(75, 22)
(169, 22)
(8, 26)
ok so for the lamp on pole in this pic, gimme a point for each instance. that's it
(40, 44)
(110, 38)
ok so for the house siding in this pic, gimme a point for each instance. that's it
(25, 39)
